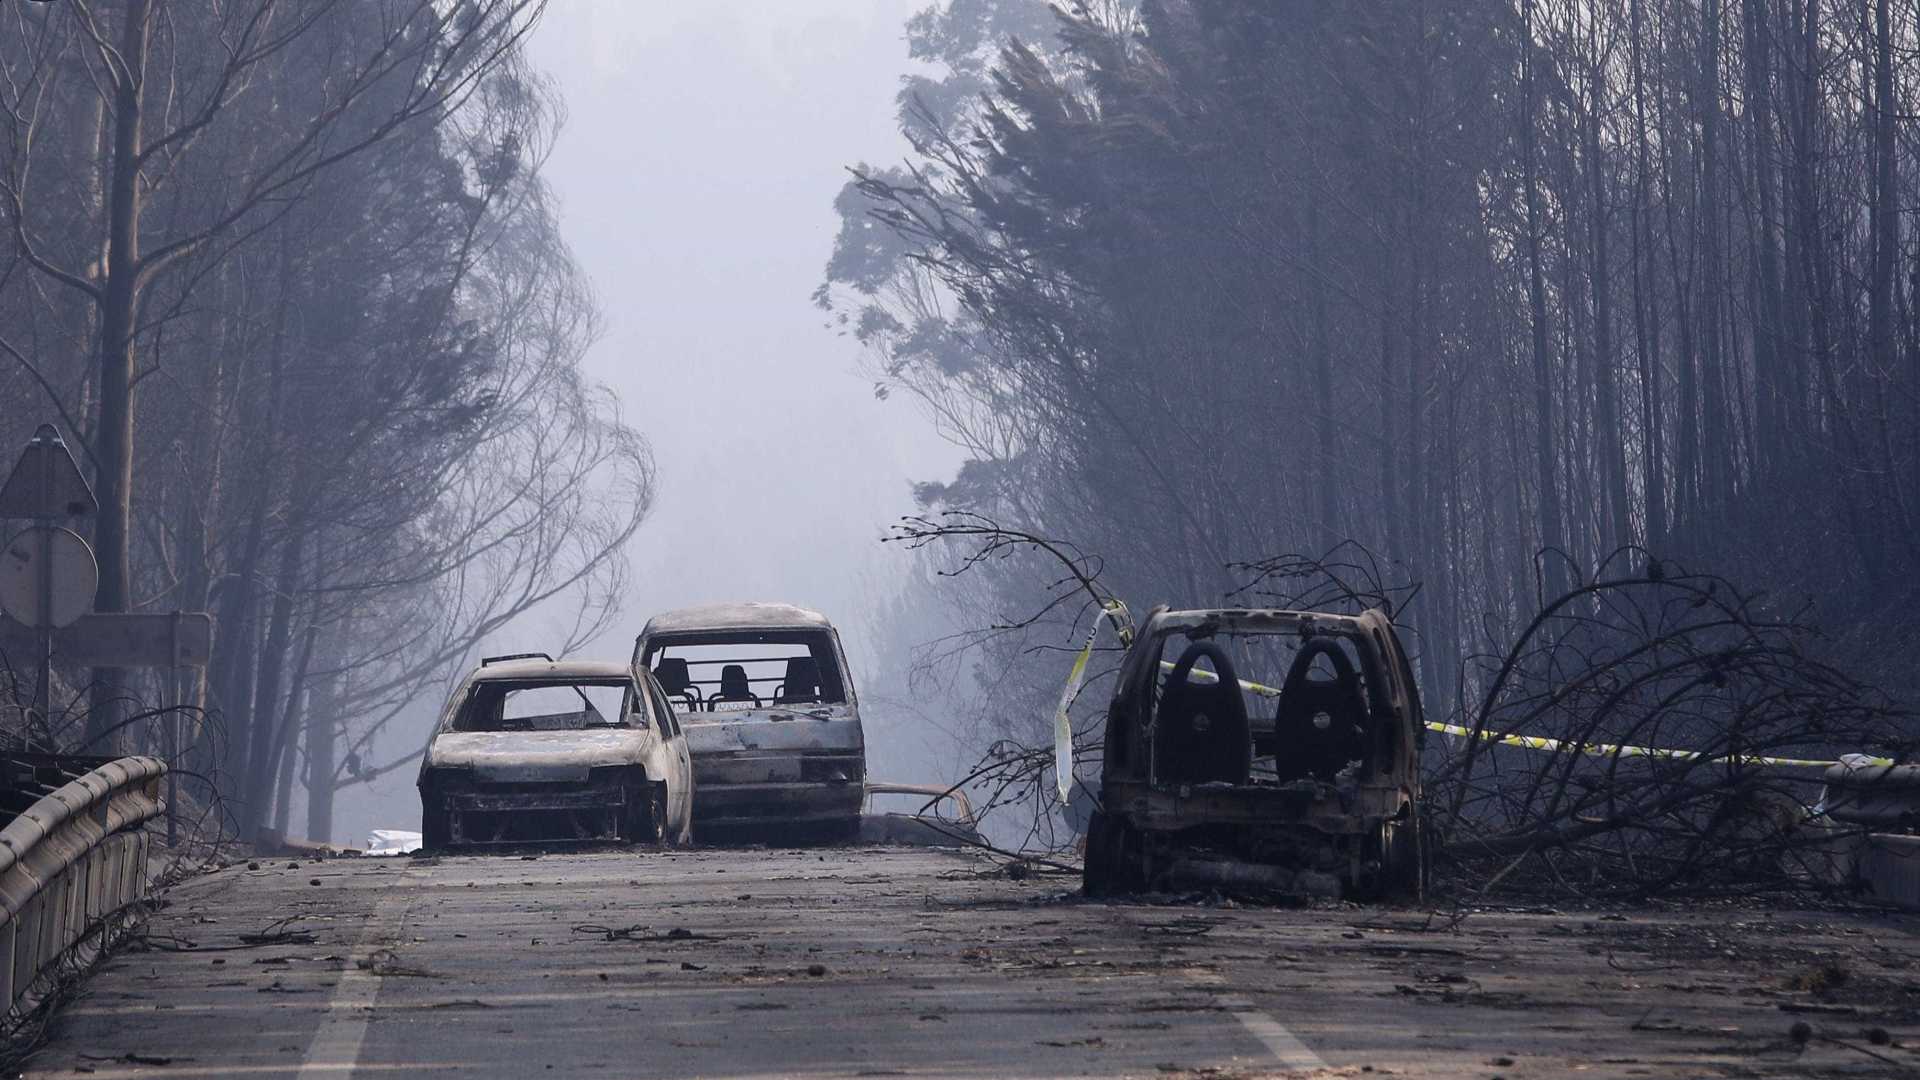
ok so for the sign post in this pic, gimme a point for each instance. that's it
(49, 577)
(48, 580)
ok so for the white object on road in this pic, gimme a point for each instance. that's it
(392, 842)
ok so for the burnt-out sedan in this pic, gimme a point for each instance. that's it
(1303, 779)
(771, 719)
(530, 750)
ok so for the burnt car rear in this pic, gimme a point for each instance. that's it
(530, 751)
(1304, 780)
(771, 719)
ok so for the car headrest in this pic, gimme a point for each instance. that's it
(1321, 723)
(673, 675)
(802, 678)
(1201, 732)
(733, 682)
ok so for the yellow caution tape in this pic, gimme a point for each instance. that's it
(1062, 726)
(1112, 611)
(1208, 676)
(1537, 742)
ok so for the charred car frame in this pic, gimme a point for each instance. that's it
(529, 750)
(1321, 797)
(772, 720)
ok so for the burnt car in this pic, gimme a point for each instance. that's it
(770, 717)
(533, 750)
(1265, 750)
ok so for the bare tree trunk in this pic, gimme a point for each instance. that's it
(1546, 460)
(1646, 323)
(119, 300)
(289, 734)
(320, 735)
(261, 765)
(1769, 312)
(1326, 432)
(1717, 451)
(1886, 194)
(1611, 448)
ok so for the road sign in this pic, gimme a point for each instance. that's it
(45, 483)
(117, 639)
(172, 639)
(47, 577)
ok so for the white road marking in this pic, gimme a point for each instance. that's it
(335, 1048)
(1284, 1045)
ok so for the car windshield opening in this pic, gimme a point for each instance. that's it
(546, 705)
(716, 673)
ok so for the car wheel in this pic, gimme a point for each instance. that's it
(1096, 871)
(1397, 862)
(1404, 867)
(646, 816)
(1116, 857)
(436, 830)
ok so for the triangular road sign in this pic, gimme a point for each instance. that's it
(45, 483)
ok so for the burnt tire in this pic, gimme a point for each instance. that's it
(1399, 849)
(1411, 866)
(436, 828)
(1096, 868)
(646, 816)
(1115, 863)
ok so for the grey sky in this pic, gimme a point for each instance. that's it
(704, 145)
(695, 176)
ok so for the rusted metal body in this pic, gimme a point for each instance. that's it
(943, 817)
(772, 721)
(1319, 797)
(611, 778)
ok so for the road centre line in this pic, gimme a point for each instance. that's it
(1284, 1045)
(335, 1047)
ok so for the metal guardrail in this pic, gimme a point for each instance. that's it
(69, 862)
(1885, 798)
(1879, 855)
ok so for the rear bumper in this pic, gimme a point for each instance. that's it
(763, 804)
(747, 787)
(1353, 810)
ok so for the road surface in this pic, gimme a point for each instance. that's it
(899, 962)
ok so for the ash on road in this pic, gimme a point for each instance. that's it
(869, 962)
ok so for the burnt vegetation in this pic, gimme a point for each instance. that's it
(1678, 729)
(1593, 318)
(288, 277)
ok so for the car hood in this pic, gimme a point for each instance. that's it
(525, 755)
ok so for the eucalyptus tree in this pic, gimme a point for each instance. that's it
(136, 97)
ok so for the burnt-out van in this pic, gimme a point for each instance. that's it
(770, 717)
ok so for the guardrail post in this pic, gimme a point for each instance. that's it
(8, 935)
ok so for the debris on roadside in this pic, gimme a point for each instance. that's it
(641, 932)
(386, 962)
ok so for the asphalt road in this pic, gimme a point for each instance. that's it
(871, 962)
